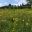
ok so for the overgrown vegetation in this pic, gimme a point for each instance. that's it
(16, 20)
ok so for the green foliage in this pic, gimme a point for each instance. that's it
(6, 26)
(30, 1)
(16, 20)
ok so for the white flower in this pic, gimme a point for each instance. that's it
(22, 20)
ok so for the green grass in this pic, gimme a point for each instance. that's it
(15, 20)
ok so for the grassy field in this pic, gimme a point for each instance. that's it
(15, 20)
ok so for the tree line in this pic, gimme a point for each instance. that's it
(28, 5)
(16, 7)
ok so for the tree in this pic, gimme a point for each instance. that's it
(20, 6)
(29, 1)
(9, 5)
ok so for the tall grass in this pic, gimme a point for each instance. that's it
(15, 20)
